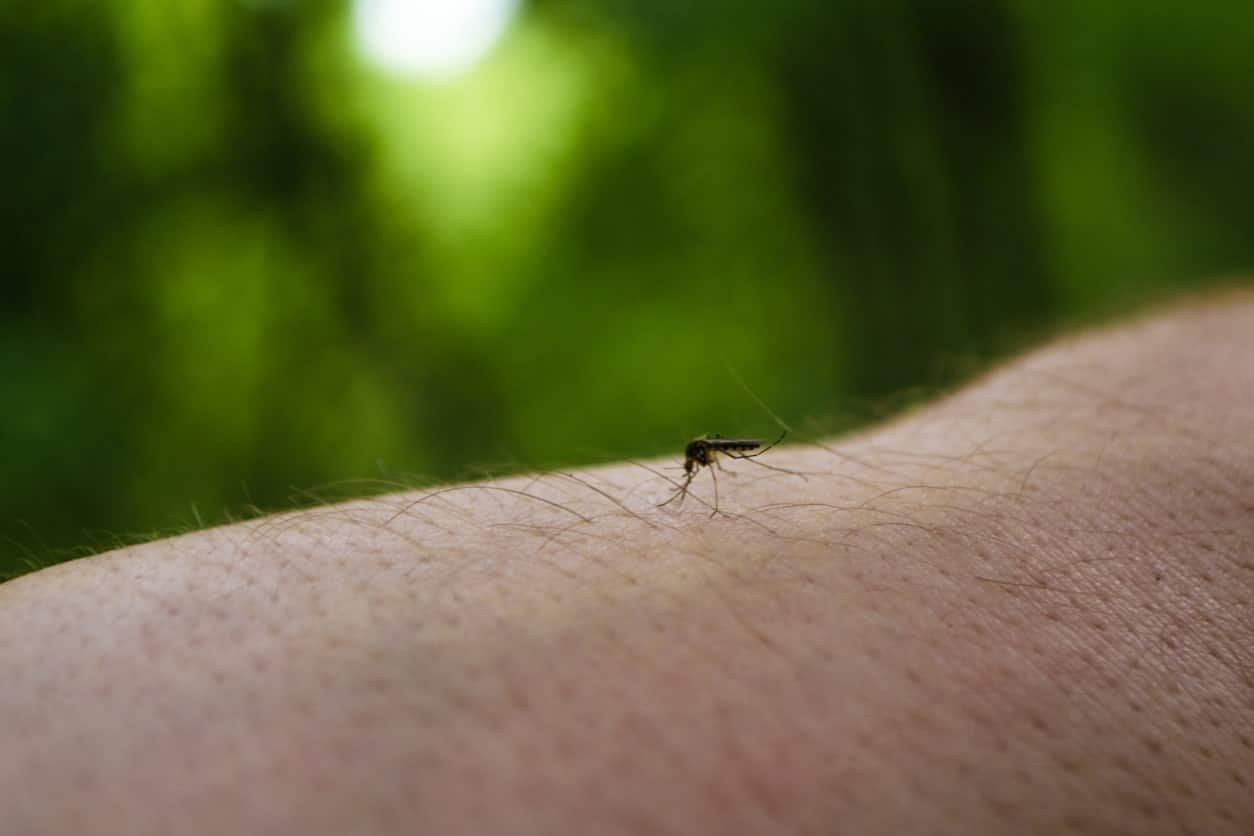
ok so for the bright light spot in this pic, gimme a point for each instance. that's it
(435, 38)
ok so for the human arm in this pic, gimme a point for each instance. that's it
(1025, 608)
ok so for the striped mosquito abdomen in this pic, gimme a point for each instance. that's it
(735, 444)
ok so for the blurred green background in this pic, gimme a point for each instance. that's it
(254, 247)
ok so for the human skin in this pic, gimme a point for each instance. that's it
(1026, 608)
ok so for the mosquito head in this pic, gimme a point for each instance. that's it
(697, 453)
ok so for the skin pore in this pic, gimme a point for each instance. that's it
(1026, 608)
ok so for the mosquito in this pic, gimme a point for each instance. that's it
(705, 450)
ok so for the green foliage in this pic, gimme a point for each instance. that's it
(240, 262)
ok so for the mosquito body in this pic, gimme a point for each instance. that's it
(705, 450)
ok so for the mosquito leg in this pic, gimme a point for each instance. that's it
(714, 474)
(776, 469)
(681, 491)
(764, 449)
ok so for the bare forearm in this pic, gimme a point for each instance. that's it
(1026, 607)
